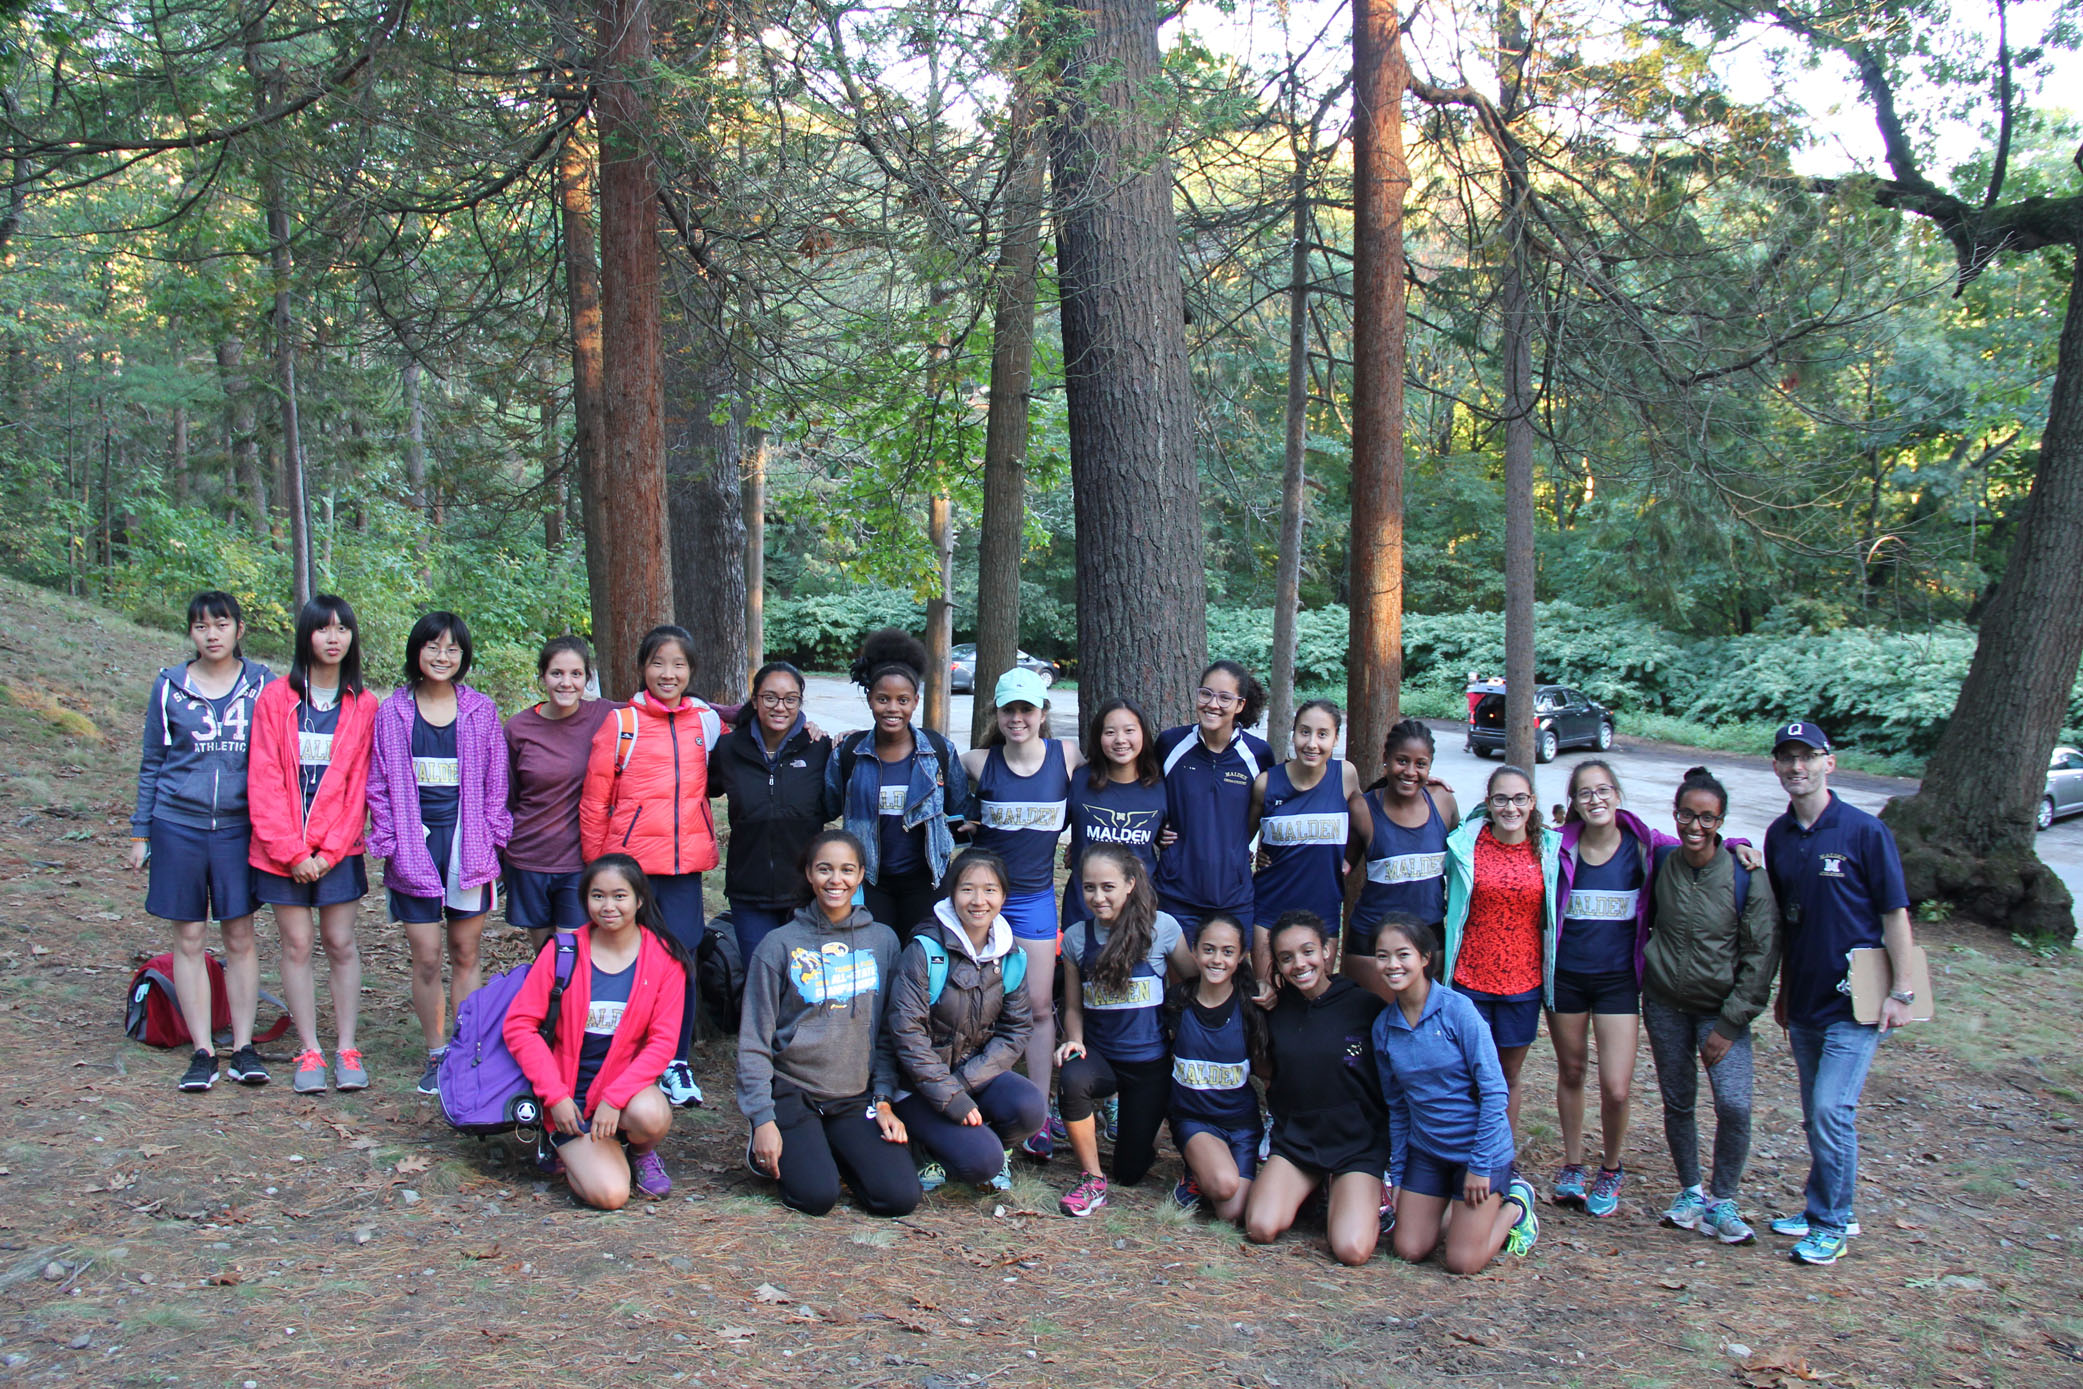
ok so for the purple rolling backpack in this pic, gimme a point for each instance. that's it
(483, 1090)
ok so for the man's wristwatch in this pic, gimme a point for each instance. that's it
(1903, 995)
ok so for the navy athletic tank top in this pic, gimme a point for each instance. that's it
(1303, 834)
(1406, 869)
(1597, 934)
(1020, 817)
(1129, 1025)
(1211, 1068)
(1127, 813)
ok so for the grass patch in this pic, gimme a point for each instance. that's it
(171, 1317)
(71, 722)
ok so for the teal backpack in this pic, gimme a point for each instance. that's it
(1013, 967)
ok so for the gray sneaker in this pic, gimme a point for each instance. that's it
(1720, 1221)
(347, 1071)
(430, 1078)
(310, 1073)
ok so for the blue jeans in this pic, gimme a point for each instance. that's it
(754, 924)
(1832, 1063)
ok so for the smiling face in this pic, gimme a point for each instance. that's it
(1121, 738)
(1217, 703)
(611, 902)
(441, 658)
(1511, 804)
(835, 875)
(1399, 961)
(1019, 721)
(1303, 959)
(1699, 817)
(977, 899)
(564, 681)
(1106, 886)
(216, 637)
(667, 672)
(779, 699)
(892, 703)
(1410, 767)
(1217, 952)
(1803, 770)
(1316, 737)
(1594, 795)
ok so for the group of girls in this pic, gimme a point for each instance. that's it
(895, 988)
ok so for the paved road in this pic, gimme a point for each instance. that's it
(1649, 775)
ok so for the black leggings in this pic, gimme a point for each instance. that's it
(818, 1148)
(1145, 1088)
(902, 901)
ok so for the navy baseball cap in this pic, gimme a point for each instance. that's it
(1803, 732)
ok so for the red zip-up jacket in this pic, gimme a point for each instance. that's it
(644, 1041)
(655, 806)
(282, 836)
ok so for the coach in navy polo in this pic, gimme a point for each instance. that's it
(1838, 881)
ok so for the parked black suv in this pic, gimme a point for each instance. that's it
(1565, 718)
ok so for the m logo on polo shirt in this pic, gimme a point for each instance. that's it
(1831, 865)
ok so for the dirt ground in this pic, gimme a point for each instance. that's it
(251, 1237)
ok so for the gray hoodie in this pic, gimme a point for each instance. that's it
(193, 767)
(814, 999)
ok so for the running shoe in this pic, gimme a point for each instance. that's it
(1818, 1247)
(1187, 1194)
(1796, 1226)
(202, 1071)
(678, 1083)
(1527, 1228)
(1004, 1180)
(750, 1166)
(647, 1172)
(1086, 1197)
(1110, 1117)
(1569, 1186)
(1038, 1145)
(348, 1073)
(1604, 1197)
(246, 1066)
(932, 1177)
(549, 1161)
(430, 1074)
(1721, 1221)
(1388, 1210)
(1686, 1209)
(310, 1076)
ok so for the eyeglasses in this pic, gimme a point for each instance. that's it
(1221, 699)
(1591, 794)
(1705, 822)
(1518, 802)
(1800, 759)
(775, 701)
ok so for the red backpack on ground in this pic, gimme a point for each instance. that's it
(151, 1016)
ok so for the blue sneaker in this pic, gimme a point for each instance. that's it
(1796, 1226)
(678, 1084)
(932, 1177)
(1818, 1247)
(1686, 1209)
(1527, 1228)
(1569, 1186)
(1038, 1145)
(1004, 1180)
(1109, 1118)
(1187, 1194)
(1722, 1221)
(1604, 1197)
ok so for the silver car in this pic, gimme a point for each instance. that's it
(2064, 786)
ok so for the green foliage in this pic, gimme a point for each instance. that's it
(823, 631)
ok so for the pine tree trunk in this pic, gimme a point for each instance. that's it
(632, 497)
(1381, 180)
(1142, 586)
(295, 499)
(755, 504)
(940, 614)
(177, 461)
(1287, 575)
(704, 445)
(247, 476)
(1001, 534)
(582, 311)
(1967, 834)
(1516, 348)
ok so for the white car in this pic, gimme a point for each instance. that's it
(2064, 786)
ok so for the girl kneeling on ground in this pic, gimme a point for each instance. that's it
(957, 1047)
(1449, 1139)
(817, 1071)
(617, 1024)
(1113, 999)
(1329, 1124)
(1218, 1037)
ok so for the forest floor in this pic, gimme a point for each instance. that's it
(252, 1237)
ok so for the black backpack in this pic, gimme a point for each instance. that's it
(719, 976)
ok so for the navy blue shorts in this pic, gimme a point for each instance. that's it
(199, 875)
(1515, 1019)
(425, 911)
(1426, 1175)
(1243, 1143)
(1032, 915)
(345, 881)
(543, 901)
(1597, 993)
(1189, 920)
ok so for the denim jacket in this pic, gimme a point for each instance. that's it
(933, 794)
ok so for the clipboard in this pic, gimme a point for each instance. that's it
(1871, 978)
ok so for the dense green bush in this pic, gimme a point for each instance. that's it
(823, 631)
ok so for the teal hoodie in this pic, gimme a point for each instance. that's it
(1461, 881)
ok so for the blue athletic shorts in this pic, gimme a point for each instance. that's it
(425, 911)
(1426, 1175)
(543, 901)
(199, 875)
(1242, 1143)
(345, 881)
(1515, 1019)
(1032, 914)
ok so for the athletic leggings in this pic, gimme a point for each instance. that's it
(1145, 1088)
(975, 1153)
(818, 1148)
(902, 901)
(1674, 1040)
(680, 903)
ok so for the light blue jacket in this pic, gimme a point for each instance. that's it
(1443, 1084)
(1461, 882)
(932, 793)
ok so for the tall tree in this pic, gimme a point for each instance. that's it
(1142, 590)
(704, 447)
